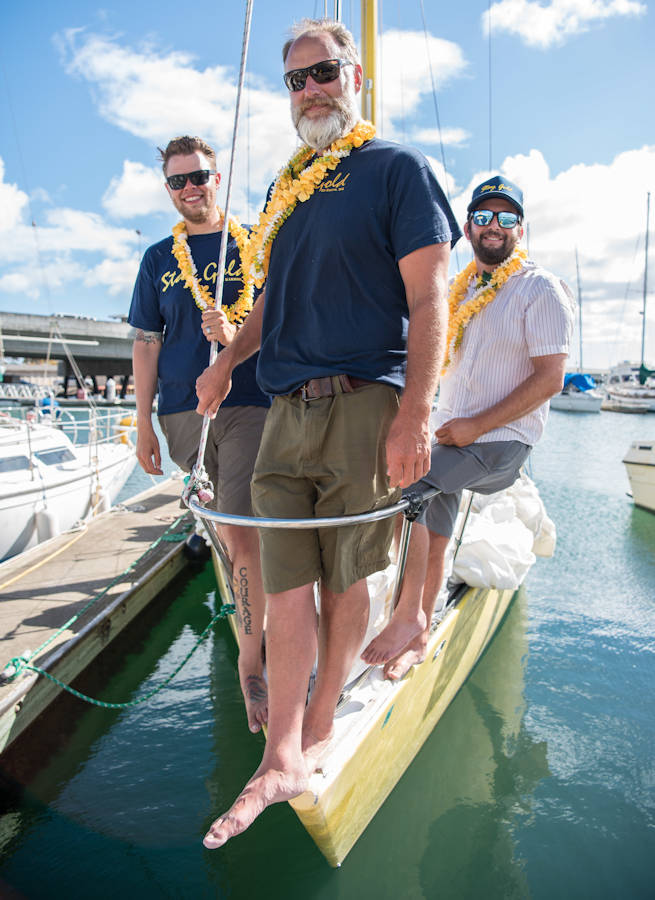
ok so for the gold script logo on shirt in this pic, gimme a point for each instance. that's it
(233, 272)
(338, 183)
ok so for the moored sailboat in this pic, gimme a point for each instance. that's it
(380, 725)
(639, 462)
(629, 393)
(579, 392)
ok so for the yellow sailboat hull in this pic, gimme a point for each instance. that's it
(338, 808)
(386, 727)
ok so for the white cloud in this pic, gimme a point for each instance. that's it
(63, 251)
(547, 24)
(156, 96)
(19, 283)
(117, 276)
(601, 211)
(450, 137)
(137, 190)
(13, 202)
(405, 62)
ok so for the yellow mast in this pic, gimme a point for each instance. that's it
(369, 62)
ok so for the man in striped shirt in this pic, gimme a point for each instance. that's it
(503, 365)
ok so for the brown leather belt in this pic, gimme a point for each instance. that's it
(316, 388)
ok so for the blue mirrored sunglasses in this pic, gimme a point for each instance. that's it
(485, 217)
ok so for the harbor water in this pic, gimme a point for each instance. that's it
(539, 781)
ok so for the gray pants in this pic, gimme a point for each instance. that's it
(485, 468)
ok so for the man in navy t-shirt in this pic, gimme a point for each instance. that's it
(171, 349)
(351, 331)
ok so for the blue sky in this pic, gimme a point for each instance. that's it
(87, 93)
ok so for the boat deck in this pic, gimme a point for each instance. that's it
(112, 559)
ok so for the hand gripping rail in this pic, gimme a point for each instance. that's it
(410, 505)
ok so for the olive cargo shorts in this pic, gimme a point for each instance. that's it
(323, 458)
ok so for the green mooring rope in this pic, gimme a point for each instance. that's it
(166, 536)
(21, 664)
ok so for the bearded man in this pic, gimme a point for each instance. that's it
(351, 330)
(171, 348)
(508, 340)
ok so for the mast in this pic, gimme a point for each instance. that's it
(577, 272)
(369, 42)
(643, 310)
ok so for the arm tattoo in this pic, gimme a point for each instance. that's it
(148, 337)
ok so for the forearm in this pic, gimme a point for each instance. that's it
(247, 339)
(427, 290)
(425, 353)
(532, 393)
(145, 355)
(213, 385)
(408, 442)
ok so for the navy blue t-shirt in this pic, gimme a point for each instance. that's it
(161, 302)
(335, 300)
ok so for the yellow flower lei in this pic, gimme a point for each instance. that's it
(203, 298)
(295, 183)
(460, 312)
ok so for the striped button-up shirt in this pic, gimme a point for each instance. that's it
(531, 315)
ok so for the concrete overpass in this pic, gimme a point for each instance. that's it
(98, 347)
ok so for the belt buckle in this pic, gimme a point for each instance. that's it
(303, 393)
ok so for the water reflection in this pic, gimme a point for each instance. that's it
(136, 791)
(450, 823)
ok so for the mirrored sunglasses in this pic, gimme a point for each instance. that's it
(485, 217)
(177, 182)
(321, 72)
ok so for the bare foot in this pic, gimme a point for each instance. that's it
(313, 747)
(255, 695)
(412, 655)
(394, 638)
(267, 786)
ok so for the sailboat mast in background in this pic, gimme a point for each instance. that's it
(643, 311)
(369, 28)
(577, 272)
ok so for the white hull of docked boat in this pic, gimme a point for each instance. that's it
(639, 462)
(48, 484)
(628, 401)
(587, 401)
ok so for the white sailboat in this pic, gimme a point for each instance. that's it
(639, 462)
(632, 392)
(579, 392)
(49, 482)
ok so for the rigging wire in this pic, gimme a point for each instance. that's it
(380, 68)
(490, 92)
(248, 92)
(220, 275)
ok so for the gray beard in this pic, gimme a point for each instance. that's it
(320, 133)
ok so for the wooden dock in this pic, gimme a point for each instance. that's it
(120, 560)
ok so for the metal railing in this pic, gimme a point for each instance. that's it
(410, 505)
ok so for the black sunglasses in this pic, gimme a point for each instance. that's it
(321, 72)
(177, 182)
(485, 217)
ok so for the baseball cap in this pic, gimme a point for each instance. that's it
(497, 186)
